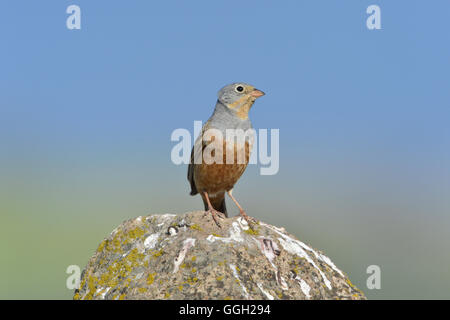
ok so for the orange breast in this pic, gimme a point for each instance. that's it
(219, 177)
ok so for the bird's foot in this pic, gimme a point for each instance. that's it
(215, 215)
(251, 221)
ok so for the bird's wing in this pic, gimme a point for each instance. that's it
(190, 175)
(195, 154)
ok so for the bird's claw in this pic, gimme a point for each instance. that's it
(251, 221)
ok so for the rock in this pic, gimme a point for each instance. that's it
(188, 257)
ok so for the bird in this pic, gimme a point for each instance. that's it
(212, 179)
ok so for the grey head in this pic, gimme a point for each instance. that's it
(233, 104)
(238, 93)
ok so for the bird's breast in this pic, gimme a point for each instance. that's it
(226, 169)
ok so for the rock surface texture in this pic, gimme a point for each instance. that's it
(188, 257)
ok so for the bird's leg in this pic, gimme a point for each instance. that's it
(214, 212)
(244, 215)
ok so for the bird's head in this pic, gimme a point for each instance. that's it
(239, 97)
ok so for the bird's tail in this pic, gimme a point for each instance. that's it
(218, 203)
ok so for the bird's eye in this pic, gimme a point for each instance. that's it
(239, 88)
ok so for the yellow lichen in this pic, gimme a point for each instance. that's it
(253, 232)
(83, 282)
(222, 263)
(101, 246)
(91, 288)
(191, 281)
(133, 257)
(296, 269)
(196, 227)
(121, 269)
(158, 253)
(135, 233)
(151, 278)
(113, 245)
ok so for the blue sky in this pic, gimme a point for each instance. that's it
(363, 115)
(141, 68)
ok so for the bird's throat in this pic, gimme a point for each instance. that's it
(242, 106)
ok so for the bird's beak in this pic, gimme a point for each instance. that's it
(257, 93)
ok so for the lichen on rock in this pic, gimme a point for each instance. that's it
(188, 257)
